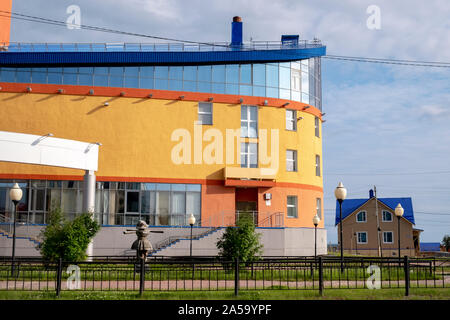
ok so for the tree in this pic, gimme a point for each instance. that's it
(67, 239)
(446, 242)
(241, 241)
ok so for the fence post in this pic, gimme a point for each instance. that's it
(406, 268)
(236, 276)
(320, 276)
(59, 278)
(142, 277)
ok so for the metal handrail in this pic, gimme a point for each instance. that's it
(153, 47)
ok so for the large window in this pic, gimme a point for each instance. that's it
(291, 120)
(205, 113)
(387, 216)
(388, 237)
(249, 155)
(361, 217)
(297, 80)
(116, 203)
(362, 237)
(249, 121)
(292, 207)
(291, 160)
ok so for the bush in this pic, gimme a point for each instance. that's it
(67, 239)
(446, 242)
(241, 241)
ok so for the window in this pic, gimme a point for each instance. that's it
(387, 216)
(318, 165)
(249, 155)
(362, 237)
(319, 207)
(249, 122)
(316, 127)
(291, 120)
(361, 217)
(388, 237)
(292, 206)
(291, 160)
(295, 80)
(205, 113)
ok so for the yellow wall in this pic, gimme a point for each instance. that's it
(136, 133)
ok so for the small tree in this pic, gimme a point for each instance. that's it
(67, 239)
(241, 241)
(446, 242)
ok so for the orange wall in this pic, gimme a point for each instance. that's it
(5, 23)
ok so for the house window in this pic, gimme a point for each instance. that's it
(292, 206)
(318, 165)
(361, 217)
(319, 207)
(249, 155)
(291, 120)
(291, 160)
(362, 237)
(316, 127)
(205, 113)
(387, 216)
(388, 237)
(249, 122)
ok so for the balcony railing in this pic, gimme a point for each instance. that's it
(154, 47)
(260, 219)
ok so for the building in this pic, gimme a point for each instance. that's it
(209, 129)
(370, 227)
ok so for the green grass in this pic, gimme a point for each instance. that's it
(164, 273)
(331, 294)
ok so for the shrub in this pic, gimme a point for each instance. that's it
(67, 239)
(241, 241)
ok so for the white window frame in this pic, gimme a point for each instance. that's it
(205, 113)
(292, 206)
(319, 207)
(317, 165)
(291, 116)
(247, 154)
(365, 216)
(316, 127)
(386, 232)
(392, 216)
(294, 152)
(248, 121)
(357, 237)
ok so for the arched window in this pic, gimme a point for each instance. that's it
(361, 217)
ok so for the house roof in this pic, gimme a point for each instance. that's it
(351, 205)
(430, 246)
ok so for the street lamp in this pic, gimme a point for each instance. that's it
(399, 213)
(316, 221)
(191, 221)
(340, 192)
(15, 195)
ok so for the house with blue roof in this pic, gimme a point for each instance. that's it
(370, 227)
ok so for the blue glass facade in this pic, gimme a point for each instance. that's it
(296, 80)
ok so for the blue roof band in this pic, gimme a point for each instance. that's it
(18, 59)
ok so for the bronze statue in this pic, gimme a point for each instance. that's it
(142, 245)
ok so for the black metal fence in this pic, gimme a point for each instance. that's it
(211, 274)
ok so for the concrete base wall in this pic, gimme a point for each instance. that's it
(110, 241)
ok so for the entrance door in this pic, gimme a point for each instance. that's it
(247, 203)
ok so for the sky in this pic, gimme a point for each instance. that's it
(386, 125)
